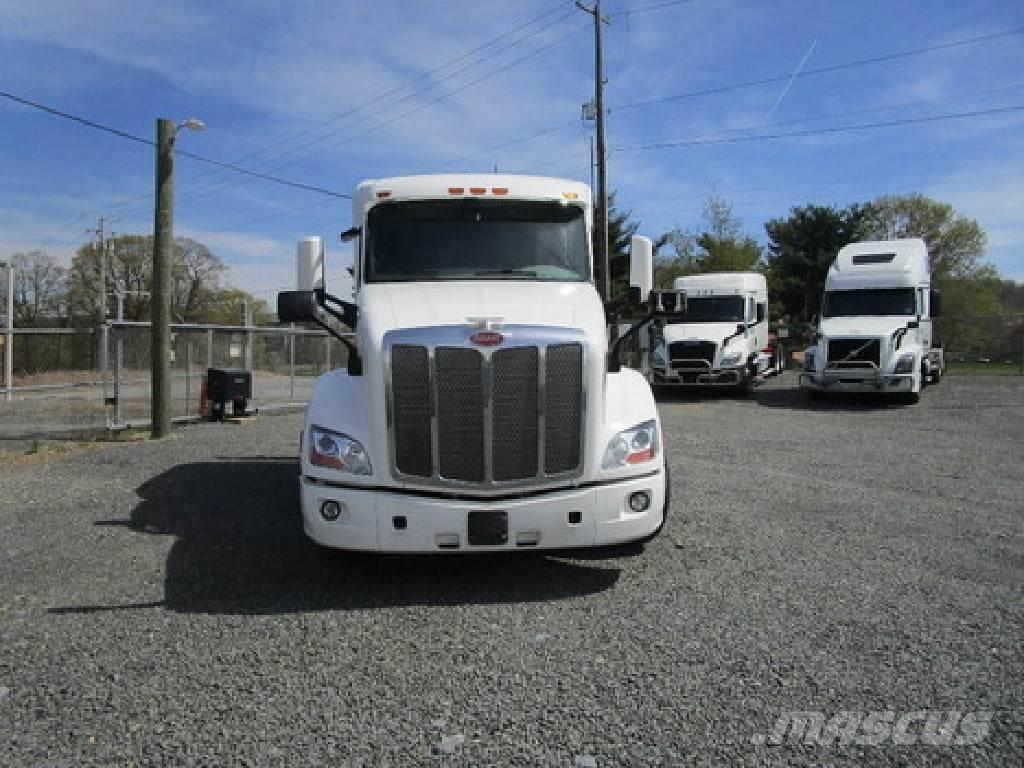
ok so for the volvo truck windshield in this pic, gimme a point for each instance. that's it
(871, 301)
(471, 239)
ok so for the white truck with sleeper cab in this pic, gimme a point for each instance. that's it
(481, 408)
(723, 340)
(875, 332)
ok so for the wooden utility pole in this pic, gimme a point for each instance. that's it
(601, 224)
(160, 299)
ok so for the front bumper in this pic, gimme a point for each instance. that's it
(857, 381)
(718, 377)
(385, 521)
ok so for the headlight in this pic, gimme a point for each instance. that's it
(731, 358)
(659, 357)
(632, 446)
(337, 451)
(905, 364)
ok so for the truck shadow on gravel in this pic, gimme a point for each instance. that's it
(240, 549)
(795, 399)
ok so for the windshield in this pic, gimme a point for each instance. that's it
(872, 301)
(471, 239)
(714, 309)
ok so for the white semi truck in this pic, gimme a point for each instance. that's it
(875, 332)
(723, 340)
(481, 408)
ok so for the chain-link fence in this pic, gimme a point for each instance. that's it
(69, 381)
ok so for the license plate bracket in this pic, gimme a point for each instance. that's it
(487, 527)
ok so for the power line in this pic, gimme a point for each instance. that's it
(817, 131)
(962, 96)
(515, 62)
(191, 155)
(652, 7)
(822, 70)
(365, 104)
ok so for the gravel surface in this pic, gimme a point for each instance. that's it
(160, 606)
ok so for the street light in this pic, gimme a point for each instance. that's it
(163, 245)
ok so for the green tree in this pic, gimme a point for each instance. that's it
(720, 246)
(956, 244)
(621, 229)
(801, 249)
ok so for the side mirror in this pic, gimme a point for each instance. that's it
(668, 303)
(935, 302)
(741, 327)
(297, 306)
(913, 324)
(641, 265)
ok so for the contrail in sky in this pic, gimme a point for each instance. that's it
(796, 73)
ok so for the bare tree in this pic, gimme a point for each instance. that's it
(40, 287)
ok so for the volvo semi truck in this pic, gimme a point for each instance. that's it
(481, 407)
(723, 340)
(875, 333)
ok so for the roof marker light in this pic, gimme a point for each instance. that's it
(455, 190)
(382, 194)
(571, 195)
(499, 190)
(478, 190)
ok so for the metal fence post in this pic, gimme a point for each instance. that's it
(327, 353)
(104, 334)
(291, 364)
(9, 343)
(118, 364)
(188, 373)
(209, 348)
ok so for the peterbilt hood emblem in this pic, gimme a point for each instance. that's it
(486, 334)
(487, 338)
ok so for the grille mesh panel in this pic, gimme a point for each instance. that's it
(460, 413)
(515, 412)
(410, 390)
(704, 350)
(840, 348)
(563, 382)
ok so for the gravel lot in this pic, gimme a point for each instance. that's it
(160, 606)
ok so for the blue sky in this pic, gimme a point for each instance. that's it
(320, 92)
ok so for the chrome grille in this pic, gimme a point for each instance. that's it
(468, 415)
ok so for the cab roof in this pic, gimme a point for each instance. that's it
(469, 185)
(880, 264)
(722, 282)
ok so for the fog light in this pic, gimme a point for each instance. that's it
(330, 511)
(639, 501)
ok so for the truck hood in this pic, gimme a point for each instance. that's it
(411, 305)
(715, 332)
(863, 326)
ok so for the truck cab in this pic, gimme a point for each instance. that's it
(478, 410)
(723, 340)
(875, 333)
